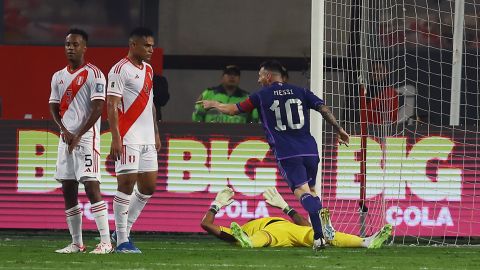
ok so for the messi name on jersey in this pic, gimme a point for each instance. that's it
(283, 92)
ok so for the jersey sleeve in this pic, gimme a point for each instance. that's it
(98, 87)
(249, 104)
(54, 93)
(115, 84)
(313, 101)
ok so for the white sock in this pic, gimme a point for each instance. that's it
(120, 211)
(137, 204)
(100, 213)
(74, 221)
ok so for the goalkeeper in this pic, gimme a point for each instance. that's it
(279, 232)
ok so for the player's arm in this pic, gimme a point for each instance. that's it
(55, 113)
(54, 106)
(198, 114)
(274, 198)
(158, 143)
(230, 109)
(113, 103)
(223, 198)
(343, 137)
(97, 108)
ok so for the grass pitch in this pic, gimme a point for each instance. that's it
(24, 250)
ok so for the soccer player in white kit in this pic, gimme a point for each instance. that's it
(135, 138)
(76, 102)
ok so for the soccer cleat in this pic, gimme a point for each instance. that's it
(127, 247)
(327, 228)
(102, 248)
(241, 236)
(318, 244)
(71, 248)
(380, 237)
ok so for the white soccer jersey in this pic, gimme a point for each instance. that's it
(134, 86)
(74, 91)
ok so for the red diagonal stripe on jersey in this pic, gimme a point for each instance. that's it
(72, 91)
(126, 119)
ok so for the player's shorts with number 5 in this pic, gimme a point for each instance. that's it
(137, 159)
(83, 163)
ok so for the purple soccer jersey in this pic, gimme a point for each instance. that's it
(285, 115)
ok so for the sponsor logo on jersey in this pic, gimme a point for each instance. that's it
(61, 82)
(112, 85)
(136, 76)
(99, 88)
(88, 170)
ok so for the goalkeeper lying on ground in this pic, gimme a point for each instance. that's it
(279, 232)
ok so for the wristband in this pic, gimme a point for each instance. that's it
(214, 209)
(289, 211)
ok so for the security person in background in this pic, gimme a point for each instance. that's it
(227, 92)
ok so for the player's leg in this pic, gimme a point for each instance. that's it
(146, 184)
(294, 171)
(127, 175)
(74, 214)
(261, 239)
(64, 174)
(346, 240)
(86, 163)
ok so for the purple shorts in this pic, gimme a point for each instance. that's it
(299, 170)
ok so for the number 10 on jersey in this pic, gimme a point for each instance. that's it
(277, 108)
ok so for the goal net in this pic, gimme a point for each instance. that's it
(402, 77)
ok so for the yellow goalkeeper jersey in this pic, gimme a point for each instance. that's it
(276, 232)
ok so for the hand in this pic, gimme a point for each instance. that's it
(73, 143)
(343, 137)
(224, 197)
(158, 143)
(274, 198)
(67, 136)
(208, 104)
(116, 149)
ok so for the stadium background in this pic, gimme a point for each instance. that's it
(197, 39)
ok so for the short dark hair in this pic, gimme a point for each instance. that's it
(77, 31)
(141, 32)
(273, 66)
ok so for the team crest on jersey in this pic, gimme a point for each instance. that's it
(99, 88)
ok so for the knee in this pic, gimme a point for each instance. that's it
(146, 190)
(126, 186)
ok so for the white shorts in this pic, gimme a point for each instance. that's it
(82, 164)
(137, 159)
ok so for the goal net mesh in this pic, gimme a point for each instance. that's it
(388, 78)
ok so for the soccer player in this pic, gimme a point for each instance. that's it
(279, 232)
(135, 138)
(285, 115)
(76, 103)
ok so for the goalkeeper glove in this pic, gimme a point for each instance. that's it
(223, 198)
(274, 198)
